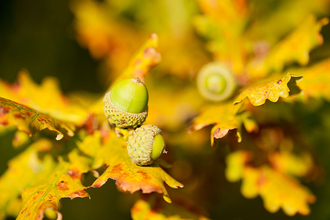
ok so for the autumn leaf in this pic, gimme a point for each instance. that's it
(129, 176)
(62, 180)
(295, 47)
(154, 209)
(277, 189)
(271, 89)
(288, 163)
(46, 98)
(30, 120)
(316, 80)
(21, 171)
(225, 118)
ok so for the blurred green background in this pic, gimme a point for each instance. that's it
(38, 35)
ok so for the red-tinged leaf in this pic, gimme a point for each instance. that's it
(129, 176)
(46, 98)
(277, 189)
(159, 210)
(295, 47)
(272, 89)
(225, 118)
(21, 171)
(47, 188)
(30, 120)
(146, 58)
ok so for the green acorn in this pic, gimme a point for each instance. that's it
(126, 105)
(145, 145)
(216, 82)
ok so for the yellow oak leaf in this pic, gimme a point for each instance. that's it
(21, 171)
(146, 58)
(225, 118)
(161, 211)
(272, 88)
(295, 47)
(62, 180)
(29, 120)
(46, 98)
(129, 176)
(276, 188)
(316, 80)
(285, 161)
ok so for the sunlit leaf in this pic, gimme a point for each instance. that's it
(272, 89)
(62, 180)
(294, 48)
(277, 189)
(225, 118)
(21, 171)
(46, 98)
(316, 80)
(91, 146)
(161, 211)
(287, 162)
(129, 176)
(30, 120)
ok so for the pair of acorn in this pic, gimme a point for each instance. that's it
(126, 107)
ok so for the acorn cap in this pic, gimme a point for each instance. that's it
(121, 118)
(145, 145)
(216, 82)
(126, 105)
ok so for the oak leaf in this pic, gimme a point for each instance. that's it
(272, 89)
(46, 98)
(29, 120)
(129, 176)
(225, 118)
(277, 189)
(62, 180)
(21, 171)
(295, 47)
(316, 80)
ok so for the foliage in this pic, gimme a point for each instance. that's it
(270, 147)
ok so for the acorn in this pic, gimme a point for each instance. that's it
(145, 145)
(126, 105)
(216, 82)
